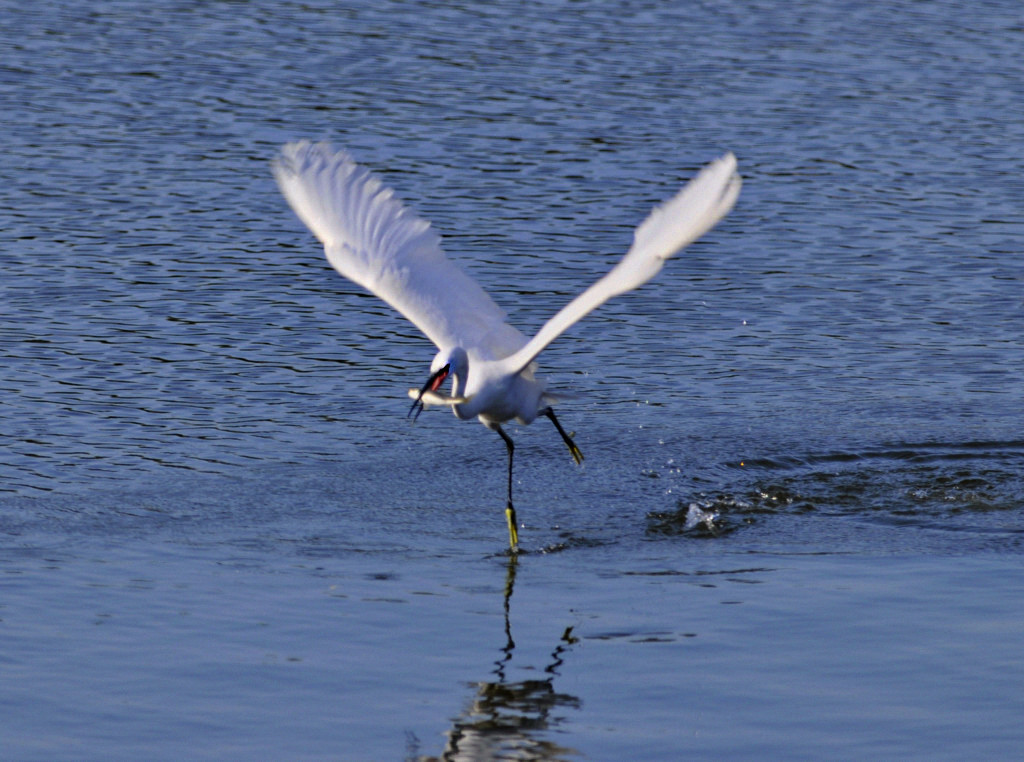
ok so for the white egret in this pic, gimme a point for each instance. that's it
(373, 240)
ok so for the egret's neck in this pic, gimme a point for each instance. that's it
(459, 362)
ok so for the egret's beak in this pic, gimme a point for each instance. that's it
(432, 385)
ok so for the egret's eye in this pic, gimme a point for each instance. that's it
(438, 378)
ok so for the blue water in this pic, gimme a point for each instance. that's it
(221, 539)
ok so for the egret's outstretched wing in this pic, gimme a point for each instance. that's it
(691, 213)
(371, 239)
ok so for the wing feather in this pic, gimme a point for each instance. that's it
(680, 221)
(373, 240)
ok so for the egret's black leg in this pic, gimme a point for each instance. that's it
(573, 449)
(510, 511)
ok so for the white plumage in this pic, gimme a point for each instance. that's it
(372, 240)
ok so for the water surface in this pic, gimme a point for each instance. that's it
(219, 536)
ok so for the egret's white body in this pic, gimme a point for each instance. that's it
(373, 240)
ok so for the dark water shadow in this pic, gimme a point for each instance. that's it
(510, 719)
(956, 494)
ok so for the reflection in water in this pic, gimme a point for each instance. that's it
(506, 720)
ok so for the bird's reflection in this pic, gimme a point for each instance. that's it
(508, 720)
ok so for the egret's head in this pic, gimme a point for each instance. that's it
(452, 363)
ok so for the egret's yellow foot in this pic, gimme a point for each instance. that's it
(566, 437)
(577, 455)
(513, 533)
